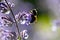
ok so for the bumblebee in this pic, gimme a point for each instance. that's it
(33, 16)
(28, 17)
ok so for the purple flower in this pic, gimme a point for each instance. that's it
(24, 34)
(7, 35)
(7, 21)
(11, 4)
(23, 17)
(26, 17)
(17, 17)
(4, 8)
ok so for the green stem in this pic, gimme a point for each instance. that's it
(13, 17)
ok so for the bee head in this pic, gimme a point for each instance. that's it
(34, 12)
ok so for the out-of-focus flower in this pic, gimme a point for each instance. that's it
(54, 28)
(55, 25)
(7, 21)
(24, 34)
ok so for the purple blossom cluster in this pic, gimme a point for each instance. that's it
(24, 18)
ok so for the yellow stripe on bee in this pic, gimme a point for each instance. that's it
(36, 18)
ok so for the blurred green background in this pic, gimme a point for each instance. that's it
(44, 18)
